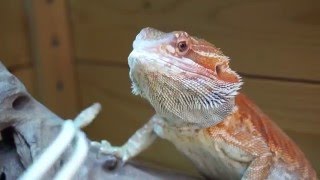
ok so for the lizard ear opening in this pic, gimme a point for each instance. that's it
(224, 73)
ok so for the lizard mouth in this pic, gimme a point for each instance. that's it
(221, 72)
(179, 64)
(151, 45)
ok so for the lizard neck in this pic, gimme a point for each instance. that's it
(198, 118)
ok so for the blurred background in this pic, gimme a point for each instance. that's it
(71, 53)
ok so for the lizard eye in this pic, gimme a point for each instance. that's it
(182, 46)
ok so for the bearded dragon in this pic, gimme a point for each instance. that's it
(194, 92)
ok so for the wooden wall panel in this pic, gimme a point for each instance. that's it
(53, 55)
(27, 77)
(294, 106)
(268, 38)
(123, 113)
(14, 49)
(14, 42)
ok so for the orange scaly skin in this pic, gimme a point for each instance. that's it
(242, 127)
(194, 92)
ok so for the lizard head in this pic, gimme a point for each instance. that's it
(176, 72)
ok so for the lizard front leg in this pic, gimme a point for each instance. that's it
(138, 142)
(259, 168)
(249, 149)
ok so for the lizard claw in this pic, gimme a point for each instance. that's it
(112, 154)
(105, 148)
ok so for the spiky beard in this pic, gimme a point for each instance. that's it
(179, 96)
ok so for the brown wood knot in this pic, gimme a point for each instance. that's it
(55, 41)
(146, 5)
(49, 1)
(59, 86)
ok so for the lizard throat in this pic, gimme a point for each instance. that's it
(179, 94)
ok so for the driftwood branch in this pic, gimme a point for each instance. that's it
(28, 128)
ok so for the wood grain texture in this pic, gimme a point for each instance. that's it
(14, 49)
(268, 38)
(123, 113)
(53, 55)
(27, 77)
(293, 106)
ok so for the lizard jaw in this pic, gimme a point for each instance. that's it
(149, 69)
(204, 54)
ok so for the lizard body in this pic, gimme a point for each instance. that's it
(198, 108)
